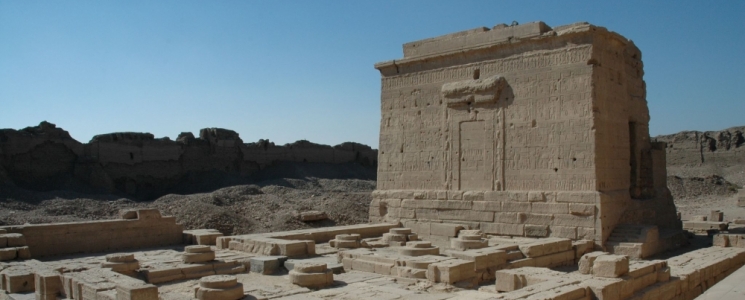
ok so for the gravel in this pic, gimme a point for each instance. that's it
(267, 206)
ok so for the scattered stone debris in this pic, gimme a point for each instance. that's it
(313, 215)
(524, 187)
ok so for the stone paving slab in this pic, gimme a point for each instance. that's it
(731, 287)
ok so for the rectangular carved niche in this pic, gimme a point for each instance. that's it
(476, 154)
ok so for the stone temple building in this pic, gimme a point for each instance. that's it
(523, 130)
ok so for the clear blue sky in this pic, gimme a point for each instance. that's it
(290, 70)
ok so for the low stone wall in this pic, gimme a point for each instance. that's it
(473, 265)
(297, 242)
(136, 229)
(569, 215)
(682, 277)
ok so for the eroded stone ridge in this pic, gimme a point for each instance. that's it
(45, 157)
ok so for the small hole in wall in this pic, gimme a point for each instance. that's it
(131, 156)
(556, 169)
(476, 74)
(533, 124)
(574, 159)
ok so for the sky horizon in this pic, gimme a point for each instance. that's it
(288, 71)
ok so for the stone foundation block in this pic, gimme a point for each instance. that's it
(48, 283)
(482, 258)
(14, 239)
(503, 229)
(233, 293)
(266, 264)
(509, 280)
(586, 261)
(451, 271)
(311, 275)
(536, 230)
(463, 244)
(545, 247)
(419, 248)
(136, 292)
(8, 254)
(610, 266)
(192, 258)
(19, 282)
(716, 216)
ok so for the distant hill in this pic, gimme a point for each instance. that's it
(138, 165)
(704, 154)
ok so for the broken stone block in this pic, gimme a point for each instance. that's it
(398, 236)
(587, 260)
(8, 254)
(716, 216)
(346, 241)
(14, 239)
(451, 271)
(469, 239)
(721, 240)
(509, 280)
(546, 246)
(121, 263)
(197, 254)
(581, 247)
(311, 275)
(48, 284)
(202, 236)
(164, 275)
(266, 264)
(19, 282)
(219, 287)
(23, 252)
(313, 215)
(610, 266)
(136, 292)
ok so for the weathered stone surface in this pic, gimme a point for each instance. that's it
(136, 292)
(493, 131)
(610, 266)
(219, 287)
(311, 275)
(313, 215)
(266, 264)
(587, 261)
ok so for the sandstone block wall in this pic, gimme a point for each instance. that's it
(46, 157)
(520, 130)
(145, 228)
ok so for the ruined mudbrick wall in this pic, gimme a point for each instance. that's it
(45, 157)
(522, 130)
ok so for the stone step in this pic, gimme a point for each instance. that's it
(619, 239)
(624, 236)
(628, 230)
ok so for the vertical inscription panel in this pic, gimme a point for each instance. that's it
(475, 155)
